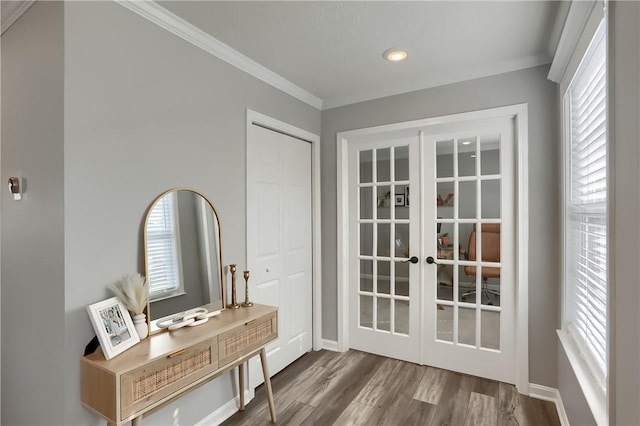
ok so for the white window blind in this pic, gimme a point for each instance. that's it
(586, 207)
(162, 249)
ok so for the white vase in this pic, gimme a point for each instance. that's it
(140, 323)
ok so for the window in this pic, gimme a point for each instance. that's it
(585, 234)
(163, 243)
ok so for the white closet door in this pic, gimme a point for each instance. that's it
(279, 241)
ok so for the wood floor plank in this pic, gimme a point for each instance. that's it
(315, 393)
(454, 401)
(286, 387)
(510, 410)
(378, 386)
(358, 413)
(538, 412)
(487, 387)
(551, 413)
(342, 389)
(482, 410)
(431, 385)
(294, 415)
(404, 410)
(339, 384)
(391, 380)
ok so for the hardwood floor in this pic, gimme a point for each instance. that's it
(356, 388)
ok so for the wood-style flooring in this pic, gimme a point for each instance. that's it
(356, 388)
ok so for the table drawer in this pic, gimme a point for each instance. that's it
(246, 338)
(161, 378)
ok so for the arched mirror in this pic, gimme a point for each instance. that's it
(183, 255)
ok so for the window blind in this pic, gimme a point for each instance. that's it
(586, 207)
(162, 248)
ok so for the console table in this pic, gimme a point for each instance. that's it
(168, 365)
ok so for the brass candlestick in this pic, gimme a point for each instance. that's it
(234, 303)
(246, 302)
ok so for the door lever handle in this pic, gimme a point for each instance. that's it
(413, 259)
(431, 261)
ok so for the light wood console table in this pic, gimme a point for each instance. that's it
(168, 365)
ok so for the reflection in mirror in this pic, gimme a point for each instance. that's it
(183, 259)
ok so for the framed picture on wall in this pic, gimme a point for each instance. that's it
(406, 195)
(113, 326)
(399, 200)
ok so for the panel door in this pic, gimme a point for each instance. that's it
(384, 292)
(279, 241)
(469, 233)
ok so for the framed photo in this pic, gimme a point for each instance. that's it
(406, 195)
(399, 200)
(113, 326)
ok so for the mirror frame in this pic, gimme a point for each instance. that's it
(144, 250)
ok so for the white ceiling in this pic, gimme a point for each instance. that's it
(333, 49)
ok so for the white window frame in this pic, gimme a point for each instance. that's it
(591, 379)
(178, 288)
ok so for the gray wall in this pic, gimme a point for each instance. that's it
(624, 69)
(144, 111)
(32, 229)
(530, 86)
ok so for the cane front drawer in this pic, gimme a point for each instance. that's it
(155, 381)
(246, 338)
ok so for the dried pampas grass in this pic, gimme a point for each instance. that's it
(132, 291)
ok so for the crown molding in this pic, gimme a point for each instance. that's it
(171, 22)
(15, 10)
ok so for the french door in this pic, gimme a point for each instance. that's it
(444, 199)
(384, 292)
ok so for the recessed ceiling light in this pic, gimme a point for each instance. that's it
(473, 156)
(466, 143)
(394, 55)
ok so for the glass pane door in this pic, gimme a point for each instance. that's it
(385, 231)
(469, 229)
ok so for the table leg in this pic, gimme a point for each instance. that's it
(241, 385)
(267, 383)
(137, 421)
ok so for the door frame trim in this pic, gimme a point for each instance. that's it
(256, 118)
(519, 113)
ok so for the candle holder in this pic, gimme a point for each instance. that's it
(234, 303)
(246, 302)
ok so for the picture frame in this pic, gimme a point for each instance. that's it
(399, 200)
(113, 326)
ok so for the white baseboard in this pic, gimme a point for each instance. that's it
(330, 345)
(227, 410)
(546, 393)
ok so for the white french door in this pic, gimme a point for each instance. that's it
(455, 307)
(469, 289)
(385, 293)
(279, 241)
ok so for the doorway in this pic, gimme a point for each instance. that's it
(433, 221)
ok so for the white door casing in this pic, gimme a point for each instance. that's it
(280, 238)
(517, 115)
